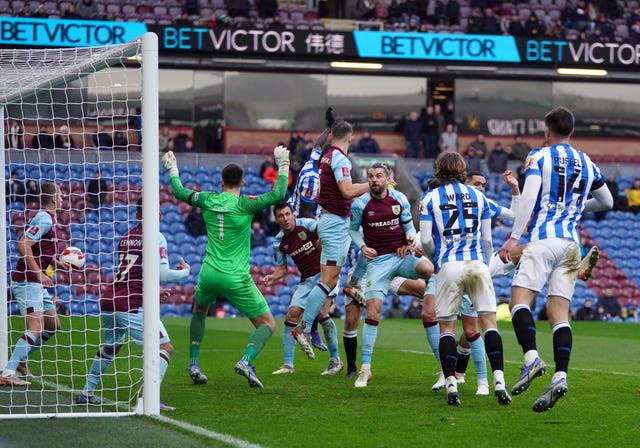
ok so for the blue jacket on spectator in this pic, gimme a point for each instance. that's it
(367, 144)
(413, 131)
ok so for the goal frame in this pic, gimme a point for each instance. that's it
(151, 276)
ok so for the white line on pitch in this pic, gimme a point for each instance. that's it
(239, 443)
(418, 352)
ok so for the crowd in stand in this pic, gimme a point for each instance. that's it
(594, 20)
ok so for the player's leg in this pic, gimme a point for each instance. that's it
(331, 335)
(288, 342)
(51, 324)
(205, 294)
(316, 340)
(113, 328)
(354, 287)
(472, 345)
(588, 263)
(561, 289)
(431, 328)
(369, 335)
(353, 311)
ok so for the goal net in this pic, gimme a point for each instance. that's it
(85, 119)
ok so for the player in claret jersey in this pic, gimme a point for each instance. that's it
(29, 283)
(387, 243)
(225, 269)
(298, 240)
(121, 311)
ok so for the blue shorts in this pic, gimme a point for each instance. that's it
(381, 270)
(303, 289)
(333, 231)
(118, 323)
(431, 286)
(32, 297)
(466, 307)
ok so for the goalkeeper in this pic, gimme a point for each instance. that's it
(225, 269)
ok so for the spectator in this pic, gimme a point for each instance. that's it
(258, 236)
(190, 146)
(194, 223)
(367, 144)
(586, 311)
(164, 138)
(41, 12)
(474, 163)
(520, 149)
(449, 140)
(70, 13)
(555, 30)
(533, 27)
(14, 188)
(277, 23)
(612, 184)
(520, 174)
(633, 196)
(238, 8)
(452, 12)
(192, 7)
(184, 19)
(497, 164)
(96, 190)
(610, 305)
(515, 27)
(437, 110)
(33, 192)
(394, 311)
(103, 139)
(414, 311)
(64, 140)
(382, 13)
(43, 139)
(450, 114)
(394, 12)
(267, 8)
(120, 141)
(475, 24)
(268, 170)
(490, 24)
(87, 9)
(413, 136)
(480, 146)
(430, 132)
(15, 137)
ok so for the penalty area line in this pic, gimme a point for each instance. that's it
(226, 438)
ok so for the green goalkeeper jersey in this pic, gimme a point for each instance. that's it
(228, 221)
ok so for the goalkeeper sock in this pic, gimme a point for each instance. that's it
(432, 330)
(350, 341)
(165, 357)
(477, 355)
(256, 343)
(100, 364)
(288, 342)
(196, 333)
(331, 335)
(369, 334)
(24, 346)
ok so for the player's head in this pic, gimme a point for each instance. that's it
(284, 216)
(378, 175)
(341, 132)
(232, 176)
(49, 195)
(476, 179)
(559, 123)
(450, 166)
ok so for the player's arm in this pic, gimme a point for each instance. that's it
(407, 220)
(524, 207)
(281, 263)
(276, 195)
(306, 193)
(306, 209)
(191, 197)
(350, 190)
(357, 237)
(171, 275)
(322, 138)
(426, 227)
(25, 250)
(511, 180)
(485, 238)
(602, 198)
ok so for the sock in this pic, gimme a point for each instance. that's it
(196, 334)
(164, 363)
(448, 354)
(315, 300)
(559, 376)
(493, 346)
(100, 364)
(24, 346)
(476, 346)
(288, 342)
(44, 337)
(369, 334)
(359, 271)
(432, 331)
(350, 341)
(256, 343)
(562, 343)
(331, 335)
(314, 325)
(463, 359)
(524, 326)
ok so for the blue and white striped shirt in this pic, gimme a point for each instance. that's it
(456, 212)
(308, 185)
(567, 175)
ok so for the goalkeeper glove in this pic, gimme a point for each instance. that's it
(328, 115)
(169, 162)
(281, 157)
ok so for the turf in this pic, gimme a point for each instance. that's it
(397, 409)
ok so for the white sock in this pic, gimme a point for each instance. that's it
(559, 376)
(530, 356)
(498, 377)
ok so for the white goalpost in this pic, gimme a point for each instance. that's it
(85, 119)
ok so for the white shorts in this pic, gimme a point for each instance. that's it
(395, 284)
(457, 278)
(555, 261)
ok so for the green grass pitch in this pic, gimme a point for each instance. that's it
(398, 408)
